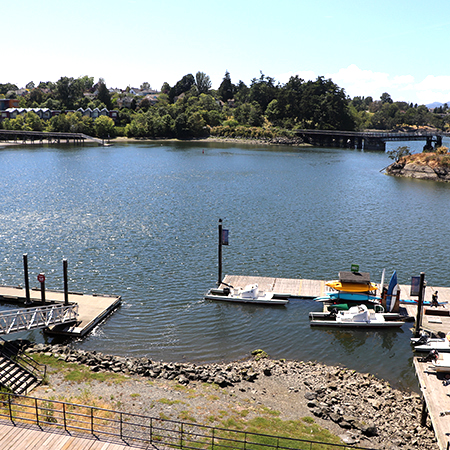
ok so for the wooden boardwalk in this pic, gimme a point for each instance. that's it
(92, 309)
(437, 400)
(32, 437)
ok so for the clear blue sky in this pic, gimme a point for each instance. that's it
(366, 47)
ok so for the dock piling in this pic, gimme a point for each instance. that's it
(420, 305)
(27, 282)
(66, 289)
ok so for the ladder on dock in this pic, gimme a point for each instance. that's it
(39, 317)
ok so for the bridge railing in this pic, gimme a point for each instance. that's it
(40, 317)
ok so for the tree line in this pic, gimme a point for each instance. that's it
(192, 109)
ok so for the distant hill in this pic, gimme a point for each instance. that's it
(436, 105)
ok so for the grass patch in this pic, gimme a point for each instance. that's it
(291, 429)
(187, 416)
(77, 373)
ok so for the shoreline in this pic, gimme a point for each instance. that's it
(359, 408)
(210, 139)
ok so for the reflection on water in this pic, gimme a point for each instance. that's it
(140, 221)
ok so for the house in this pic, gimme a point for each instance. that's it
(6, 103)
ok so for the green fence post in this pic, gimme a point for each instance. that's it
(181, 437)
(212, 442)
(92, 421)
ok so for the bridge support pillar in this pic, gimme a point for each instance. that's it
(374, 144)
(359, 143)
(428, 147)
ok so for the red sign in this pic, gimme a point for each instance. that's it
(41, 278)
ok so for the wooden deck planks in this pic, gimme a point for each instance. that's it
(92, 309)
(31, 437)
(436, 398)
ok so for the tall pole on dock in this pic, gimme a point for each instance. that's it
(27, 282)
(419, 305)
(219, 280)
(66, 289)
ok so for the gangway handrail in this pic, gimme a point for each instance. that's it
(38, 317)
(13, 352)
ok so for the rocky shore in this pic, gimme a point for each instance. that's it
(359, 408)
(419, 171)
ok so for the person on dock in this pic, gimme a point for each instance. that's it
(434, 299)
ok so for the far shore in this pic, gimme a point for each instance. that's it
(210, 139)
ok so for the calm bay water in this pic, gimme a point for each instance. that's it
(140, 221)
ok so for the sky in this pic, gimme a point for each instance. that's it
(366, 47)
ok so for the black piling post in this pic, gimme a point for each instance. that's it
(41, 279)
(66, 289)
(219, 280)
(420, 305)
(27, 282)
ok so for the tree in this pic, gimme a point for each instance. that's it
(104, 127)
(184, 85)
(399, 152)
(5, 88)
(226, 89)
(386, 98)
(263, 90)
(145, 86)
(203, 82)
(30, 85)
(103, 93)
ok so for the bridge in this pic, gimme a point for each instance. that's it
(368, 140)
(39, 317)
(51, 137)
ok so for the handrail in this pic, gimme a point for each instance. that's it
(38, 317)
(143, 430)
(13, 352)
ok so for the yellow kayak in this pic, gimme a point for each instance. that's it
(352, 287)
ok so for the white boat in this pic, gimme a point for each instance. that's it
(249, 294)
(356, 316)
(427, 344)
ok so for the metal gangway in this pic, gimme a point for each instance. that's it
(40, 317)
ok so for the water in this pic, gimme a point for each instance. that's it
(140, 221)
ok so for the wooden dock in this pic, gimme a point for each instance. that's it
(92, 309)
(438, 322)
(29, 437)
(437, 400)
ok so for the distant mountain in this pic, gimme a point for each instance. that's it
(436, 105)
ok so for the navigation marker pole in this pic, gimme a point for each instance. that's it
(223, 240)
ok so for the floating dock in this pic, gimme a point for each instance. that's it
(92, 309)
(435, 320)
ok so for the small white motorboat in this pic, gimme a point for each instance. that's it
(426, 343)
(249, 294)
(356, 316)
